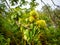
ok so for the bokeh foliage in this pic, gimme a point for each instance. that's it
(22, 26)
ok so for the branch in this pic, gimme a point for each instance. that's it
(52, 19)
(16, 5)
(55, 4)
(50, 13)
(7, 3)
(46, 7)
(54, 11)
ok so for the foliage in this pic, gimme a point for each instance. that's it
(29, 26)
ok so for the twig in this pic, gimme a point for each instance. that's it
(55, 4)
(7, 3)
(47, 9)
